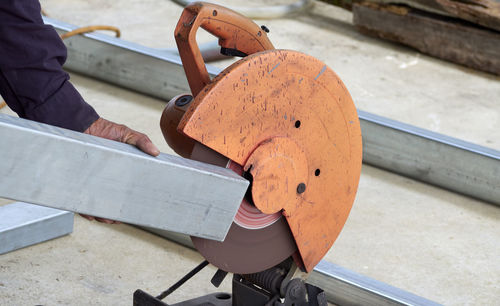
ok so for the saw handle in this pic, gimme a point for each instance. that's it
(237, 35)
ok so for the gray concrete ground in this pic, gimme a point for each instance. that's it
(423, 239)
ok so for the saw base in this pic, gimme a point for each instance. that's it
(142, 298)
(259, 289)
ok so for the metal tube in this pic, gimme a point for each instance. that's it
(63, 169)
(430, 157)
(345, 287)
(150, 71)
(23, 224)
(210, 51)
(266, 11)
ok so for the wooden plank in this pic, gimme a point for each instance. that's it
(481, 12)
(443, 37)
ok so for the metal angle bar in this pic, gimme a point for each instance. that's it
(63, 169)
(150, 71)
(457, 165)
(23, 224)
(342, 286)
(430, 157)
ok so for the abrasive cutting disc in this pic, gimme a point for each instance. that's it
(255, 241)
(246, 251)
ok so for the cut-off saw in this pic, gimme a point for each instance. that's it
(283, 120)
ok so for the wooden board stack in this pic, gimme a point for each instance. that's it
(466, 32)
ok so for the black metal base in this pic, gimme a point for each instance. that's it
(246, 294)
(142, 298)
(267, 288)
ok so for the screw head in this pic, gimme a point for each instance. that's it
(301, 188)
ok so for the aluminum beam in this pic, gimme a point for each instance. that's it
(63, 169)
(430, 157)
(23, 224)
(150, 71)
(342, 286)
(345, 287)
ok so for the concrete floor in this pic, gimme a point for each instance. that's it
(423, 239)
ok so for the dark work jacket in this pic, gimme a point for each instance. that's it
(32, 80)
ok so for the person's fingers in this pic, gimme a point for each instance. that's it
(87, 217)
(107, 221)
(119, 132)
(141, 141)
(104, 220)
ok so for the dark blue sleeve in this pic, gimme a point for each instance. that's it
(32, 80)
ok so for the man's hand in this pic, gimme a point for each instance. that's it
(119, 132)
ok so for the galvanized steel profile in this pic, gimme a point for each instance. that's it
(23, 224)
(86, 174)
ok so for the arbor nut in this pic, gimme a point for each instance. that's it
(181, 101)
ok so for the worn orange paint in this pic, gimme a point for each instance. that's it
(289, 120)
(233, 30)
